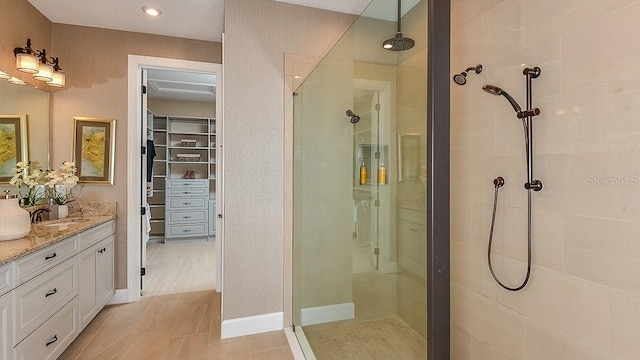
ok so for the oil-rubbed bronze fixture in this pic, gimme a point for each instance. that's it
(461, 78)
(37, 63)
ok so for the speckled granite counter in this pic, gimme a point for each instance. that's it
(42, 235)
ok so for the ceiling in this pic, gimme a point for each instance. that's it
(190, 19)
(180, 85)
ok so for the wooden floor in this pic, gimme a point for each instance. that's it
(171, 327)
(178, 318)
(180, 267)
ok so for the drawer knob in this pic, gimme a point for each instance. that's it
(51, 293)
(54, 339)
(186, 230)
(50, 256)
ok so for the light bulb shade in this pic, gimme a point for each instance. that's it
(58, 79)
(4, 75)
(16, 81)
(27, 63)
(44, 73)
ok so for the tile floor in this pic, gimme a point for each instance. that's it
(383, 339)
(171, 327)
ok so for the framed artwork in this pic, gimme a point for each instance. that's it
(408, 156)
(94, 148)
(13, 144)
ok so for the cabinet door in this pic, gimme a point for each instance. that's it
(104, 272)
(88, 301)
(6, 327)
(96, 279)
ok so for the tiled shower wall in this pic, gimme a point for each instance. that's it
(583, 300)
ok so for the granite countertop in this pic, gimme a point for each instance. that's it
(42, 235)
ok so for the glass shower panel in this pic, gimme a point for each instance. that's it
(359, 252)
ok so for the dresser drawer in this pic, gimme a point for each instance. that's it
(6, 277)
(184, 183)
(187, 203)
(38, 262)
(38, 299)
(96, 234)
(186, 230)
(185, 192)
(51, 339)
(187, 216)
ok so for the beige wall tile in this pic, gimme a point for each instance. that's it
(544, 344)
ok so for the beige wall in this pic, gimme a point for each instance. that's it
(19, 20)
(583, 298)
(255, 140)
(96, 69)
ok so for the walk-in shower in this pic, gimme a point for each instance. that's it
(359, 202)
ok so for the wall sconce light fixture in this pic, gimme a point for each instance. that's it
(36, 62)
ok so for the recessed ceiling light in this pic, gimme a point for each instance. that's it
(151, 11)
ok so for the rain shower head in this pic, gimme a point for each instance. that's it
(399, 42)
(461, 78)
(354, 118)
(494, 90)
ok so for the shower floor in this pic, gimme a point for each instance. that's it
(384, 339)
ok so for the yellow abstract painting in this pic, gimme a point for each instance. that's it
(93, 148)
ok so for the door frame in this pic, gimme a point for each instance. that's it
(134, 173)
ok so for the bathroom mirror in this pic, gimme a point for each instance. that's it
(34, 103)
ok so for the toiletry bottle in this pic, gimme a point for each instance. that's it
(363, 174)
(382, 174)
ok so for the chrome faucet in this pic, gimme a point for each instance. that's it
(36, 215)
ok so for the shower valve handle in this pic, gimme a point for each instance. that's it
(535, 185)
(526, 113)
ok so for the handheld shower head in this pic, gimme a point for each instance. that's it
(461, 78)
(494, 90)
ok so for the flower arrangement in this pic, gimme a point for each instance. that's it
(60, 182)
(56, 184)
(30, 175)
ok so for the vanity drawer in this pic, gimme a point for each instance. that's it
(6, 275)
(187, 216)
(187, 183)
(41, 260)
(38, 299)
(188, 192)
(51, 339)
(187, 230)
(187, 203)
(96, 234)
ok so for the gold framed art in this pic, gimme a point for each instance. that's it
(94, 148)
(13, 144)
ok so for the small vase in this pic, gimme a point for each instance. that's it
(63, 211)
(14, 221)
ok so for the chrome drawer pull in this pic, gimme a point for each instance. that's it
(50, 293)
(55, 338)
(50, 256)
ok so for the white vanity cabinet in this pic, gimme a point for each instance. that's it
(6, 311)
(44, 294)
(96, 271)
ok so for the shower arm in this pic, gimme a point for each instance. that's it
(527, 116)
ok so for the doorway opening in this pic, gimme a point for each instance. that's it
(174, 85)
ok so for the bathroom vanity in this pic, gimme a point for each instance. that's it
(53, 283)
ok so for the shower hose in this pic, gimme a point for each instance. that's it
(498, 183)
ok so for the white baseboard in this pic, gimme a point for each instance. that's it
(327, 313)
(252, 325)
(120, 297)
(296, 346)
